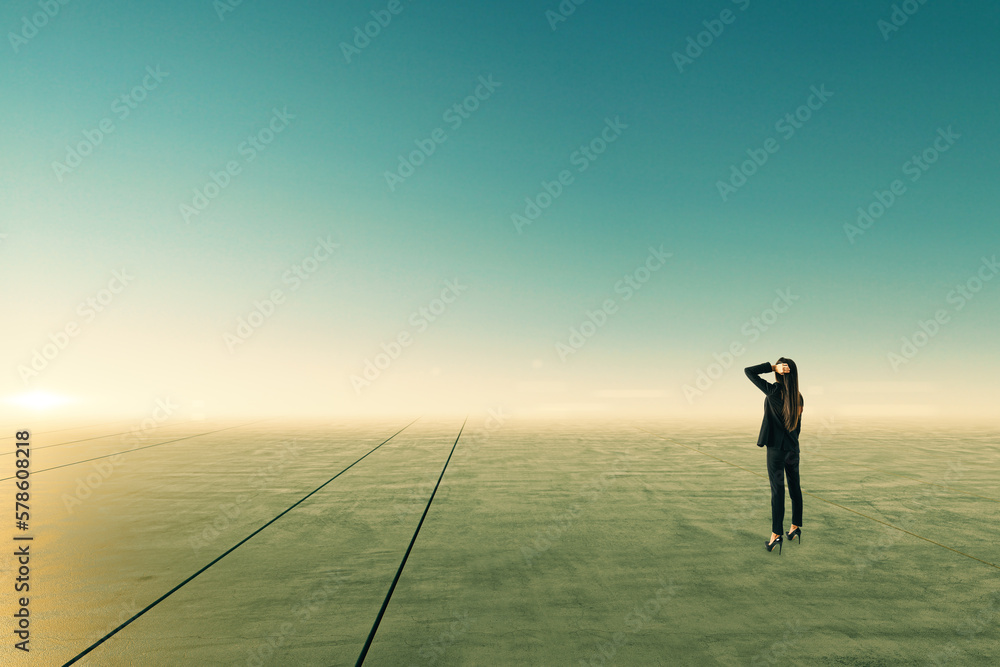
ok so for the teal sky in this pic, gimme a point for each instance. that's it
(346, 123)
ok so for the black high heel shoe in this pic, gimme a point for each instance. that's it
(770, 545)
(793, 533)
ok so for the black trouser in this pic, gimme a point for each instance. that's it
(784, 461)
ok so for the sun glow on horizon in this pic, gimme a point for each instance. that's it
(39, 400)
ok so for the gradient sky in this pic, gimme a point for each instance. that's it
(323, 177)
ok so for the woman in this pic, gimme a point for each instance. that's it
(779, 432)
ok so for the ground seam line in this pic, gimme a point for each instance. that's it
(155, 444)
(385, 603)
(884, 523)
(226, 553)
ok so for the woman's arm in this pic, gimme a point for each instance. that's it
(753, 372)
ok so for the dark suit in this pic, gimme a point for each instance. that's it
(782, 449)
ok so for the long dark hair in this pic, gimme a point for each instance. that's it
(791, 399)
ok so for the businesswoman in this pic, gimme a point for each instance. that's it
(779, 432)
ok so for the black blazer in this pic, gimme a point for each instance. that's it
(772, 430)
